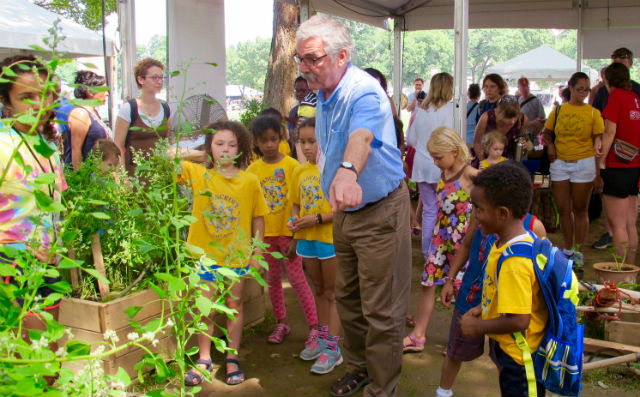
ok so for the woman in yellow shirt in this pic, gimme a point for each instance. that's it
(571, 132)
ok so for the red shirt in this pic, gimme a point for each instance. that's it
(623, 108)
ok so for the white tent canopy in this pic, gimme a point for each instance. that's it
(23, 23)
(540, 63)
(606, 24)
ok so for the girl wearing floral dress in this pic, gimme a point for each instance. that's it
(451, 155)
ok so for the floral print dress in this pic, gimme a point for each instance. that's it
(454, 210)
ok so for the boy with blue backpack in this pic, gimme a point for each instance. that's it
(525, 301)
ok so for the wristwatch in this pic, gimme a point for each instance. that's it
(349, 166)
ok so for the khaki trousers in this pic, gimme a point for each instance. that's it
(373, 247)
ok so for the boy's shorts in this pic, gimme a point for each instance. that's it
(462, 347)
(620, 182)
(43, 291)
(579, 171)
(209, 274)
(513, 378)
(315, 249)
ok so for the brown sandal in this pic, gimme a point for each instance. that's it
(349, 384)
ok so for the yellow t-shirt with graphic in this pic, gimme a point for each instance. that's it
(307, 193)
(517, 292)
(284, 148)
(275, 180)
(577, 125)
(485, 164)
(224, 209)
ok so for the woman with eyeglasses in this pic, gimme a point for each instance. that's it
(85, 124)
(147, 114)
(573, 133)
(508, 120)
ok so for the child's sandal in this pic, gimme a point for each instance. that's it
(194, 376)
(236, 377)
(414, 345)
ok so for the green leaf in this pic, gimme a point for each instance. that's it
(100, 215)
(37, 48)
(192, 351)
(221, 308)
(227, 273)
(27, 119)
(204, 305)
(96, 274)
(78, 348)
(43, 147)
(131, 311)
(97, 202)
(211, 63)
(43, 201)
(98, 88)
(8, 72)
(85, 102)
(67, 263)
(161, 293)
(89, 65)
(48, 178)
(123, 377)
(175, 73)
(276, 255)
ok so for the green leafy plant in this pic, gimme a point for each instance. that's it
(251, 110)
(144, 223)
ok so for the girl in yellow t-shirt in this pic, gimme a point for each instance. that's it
(229, 210)
(274, 170)
(493, 145)
(310, 222)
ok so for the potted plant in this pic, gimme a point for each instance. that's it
(617, 271)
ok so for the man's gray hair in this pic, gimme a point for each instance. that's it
(333, 33)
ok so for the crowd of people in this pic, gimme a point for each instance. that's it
(327, 195)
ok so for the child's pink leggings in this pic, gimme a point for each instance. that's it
(296, 277)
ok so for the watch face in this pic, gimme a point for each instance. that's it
(347, 164)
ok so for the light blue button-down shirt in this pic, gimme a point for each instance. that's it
(359, 102)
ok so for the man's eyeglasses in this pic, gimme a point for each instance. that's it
(308, 60)
(157, 78)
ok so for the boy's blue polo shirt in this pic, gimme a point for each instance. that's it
(359, 102)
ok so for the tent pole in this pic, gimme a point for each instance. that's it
(579, 38)
(304, 10)
(461, 25)
(127, 29)
(398, 25)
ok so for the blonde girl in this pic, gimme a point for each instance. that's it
(436, 111)
(494, 144)
(310, 221)
(451, 155)
(230, 209)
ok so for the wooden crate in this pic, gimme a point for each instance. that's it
(88, 321)
(622, 332)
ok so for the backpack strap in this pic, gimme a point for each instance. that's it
(555, 123)
(521, 341)
(133, 116)
(167, 110)
(528, 221)
(471, 110)
(531, 98)
(481, 106)
(524, 249)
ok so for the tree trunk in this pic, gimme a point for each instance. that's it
(282, 69)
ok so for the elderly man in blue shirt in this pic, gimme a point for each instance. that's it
(361, 174)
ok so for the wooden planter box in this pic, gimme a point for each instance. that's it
(89, 320)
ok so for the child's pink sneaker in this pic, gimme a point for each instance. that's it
(278, 334)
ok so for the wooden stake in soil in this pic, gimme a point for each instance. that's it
(98, 263)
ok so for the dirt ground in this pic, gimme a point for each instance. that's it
(276, 370)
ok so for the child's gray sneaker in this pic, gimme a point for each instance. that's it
(328, 360)
(313, 347)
